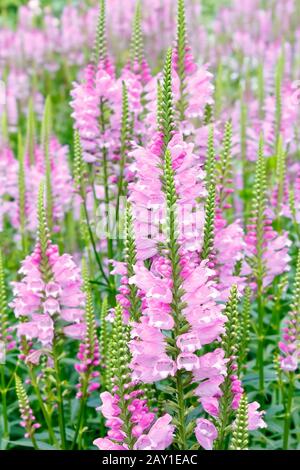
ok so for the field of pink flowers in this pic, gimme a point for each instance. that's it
(149, 225)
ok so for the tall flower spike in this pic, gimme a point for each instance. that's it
(78, 163)
(22, 192)
(136, 46)
(225, 168)
(210, 162)
(125, 408)
(130, 259)
(30, 133)
(124, 141)
(89, 354)
(45, 139)
(280, 170)
(240, 434)
(182, 379)
(120, 375)
(43, 234)
(28, 420)
(256, 235)
(181, 45)
(100, 50)
(104, 343)
(258, 210)
(290, 346)
(167, 115)
(49, 293)
(209, 223)
(228, 387)
(3, 307)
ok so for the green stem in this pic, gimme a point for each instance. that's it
(33, 440)
(93, 241)
(61, 416)
(288, 411)
(4, 404)
(260, 351)
(44, 410)
(110, 251)
(81, 413)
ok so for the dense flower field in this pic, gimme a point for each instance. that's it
(149, 225)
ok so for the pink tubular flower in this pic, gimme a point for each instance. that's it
(206, 433)
(57, 295)
(103, 443)
(255, 420)
(159, 437)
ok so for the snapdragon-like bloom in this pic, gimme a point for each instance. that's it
(148, 432)
(255, 420)
(206, 433)
(46, 298)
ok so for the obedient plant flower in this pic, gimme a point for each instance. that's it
(131, 424)
(187, 233)
(49, 296)
(179, 309)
